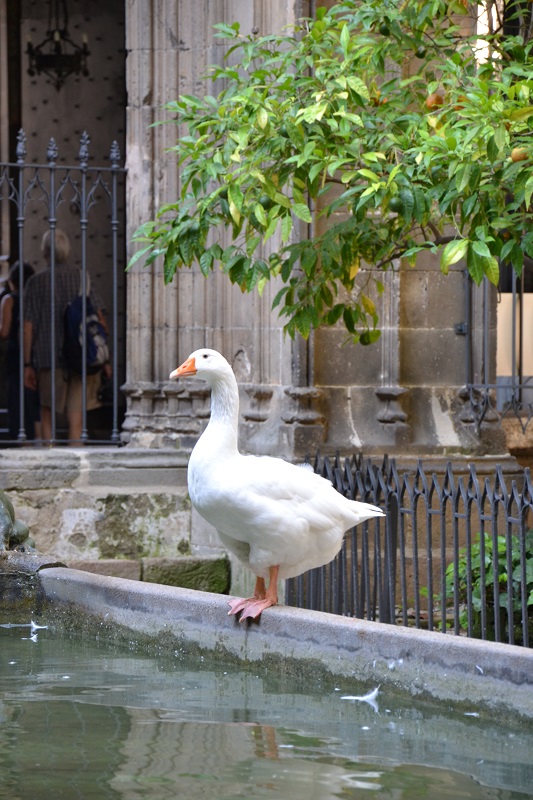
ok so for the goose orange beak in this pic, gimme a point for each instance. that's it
(187, 368)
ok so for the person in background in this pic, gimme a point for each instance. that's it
(38, 336)
(10, 330)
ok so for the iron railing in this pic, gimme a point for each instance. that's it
(499, 384)
(89, 199)
(454, 552)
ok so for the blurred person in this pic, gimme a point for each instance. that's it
(38, 335)
(10, 330)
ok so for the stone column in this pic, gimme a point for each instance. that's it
(152, 69)
(170, 46)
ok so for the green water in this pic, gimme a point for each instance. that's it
(79, 720)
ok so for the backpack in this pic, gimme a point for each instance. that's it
(97, 352)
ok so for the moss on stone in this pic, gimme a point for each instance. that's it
(189, 572)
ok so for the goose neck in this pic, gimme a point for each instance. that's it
(225, 402)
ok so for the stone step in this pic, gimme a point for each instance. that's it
(206, 573)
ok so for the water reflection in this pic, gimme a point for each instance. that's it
(77, 722)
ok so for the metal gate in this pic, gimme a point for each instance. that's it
(87, 202)
(499, 354)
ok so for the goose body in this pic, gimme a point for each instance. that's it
(277, 518)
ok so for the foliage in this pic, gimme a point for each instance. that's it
(496, 567)
(370, 133)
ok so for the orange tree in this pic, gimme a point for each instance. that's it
(397, 114)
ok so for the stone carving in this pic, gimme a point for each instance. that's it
(14, 533)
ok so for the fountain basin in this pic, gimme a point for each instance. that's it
(467, 672)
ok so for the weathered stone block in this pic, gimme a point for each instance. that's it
(414, 306)
(136, 525)
(37, 469)
(188, 572)
(439, 359)
(134, 467)
(345, 365)
(114, 567)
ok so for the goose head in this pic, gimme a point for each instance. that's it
(204, 363)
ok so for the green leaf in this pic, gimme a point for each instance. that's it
(369, 337)
(368, 304)
(462, 179)
(279, 297)
(521, 114)
(234, 211)
(517, 258)
(408, 204)
(358, 86)
(259, 212)
(206, 261)
(481, 249)
(469, 205)
(452, 253)
(506, 249)
(286, 228)
(493, 150)
(500, 137)
(491, 269)
(345, 40)
(420, 205)
(475, 266)
(528, 191)
(136, 256)
(348, 319)
(262, 118)
(235, 196)
(302, 212)
(367, 173)
(334, 314)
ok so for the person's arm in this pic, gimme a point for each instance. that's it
(30, 378)
(103, 320)
(6, 315)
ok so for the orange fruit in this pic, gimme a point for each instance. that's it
(434, 100)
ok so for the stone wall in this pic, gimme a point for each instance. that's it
(119, 512)
(400, 395)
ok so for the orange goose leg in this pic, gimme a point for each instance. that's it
(253, 609)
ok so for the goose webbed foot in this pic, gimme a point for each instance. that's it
(239, 604)
(252, 607)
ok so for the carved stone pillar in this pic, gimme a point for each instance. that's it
(170, 46)
(390, 392)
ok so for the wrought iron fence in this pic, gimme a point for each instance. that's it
(453, 554)
(87, 201)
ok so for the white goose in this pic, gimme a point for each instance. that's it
(278, 519)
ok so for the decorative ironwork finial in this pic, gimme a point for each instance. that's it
(21, 147)
(83, 155)
(52, 151)
(114, 154)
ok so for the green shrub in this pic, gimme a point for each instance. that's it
(492, 563)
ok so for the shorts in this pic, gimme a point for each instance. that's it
(68, 390)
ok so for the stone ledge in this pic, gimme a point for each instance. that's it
(92, 467)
